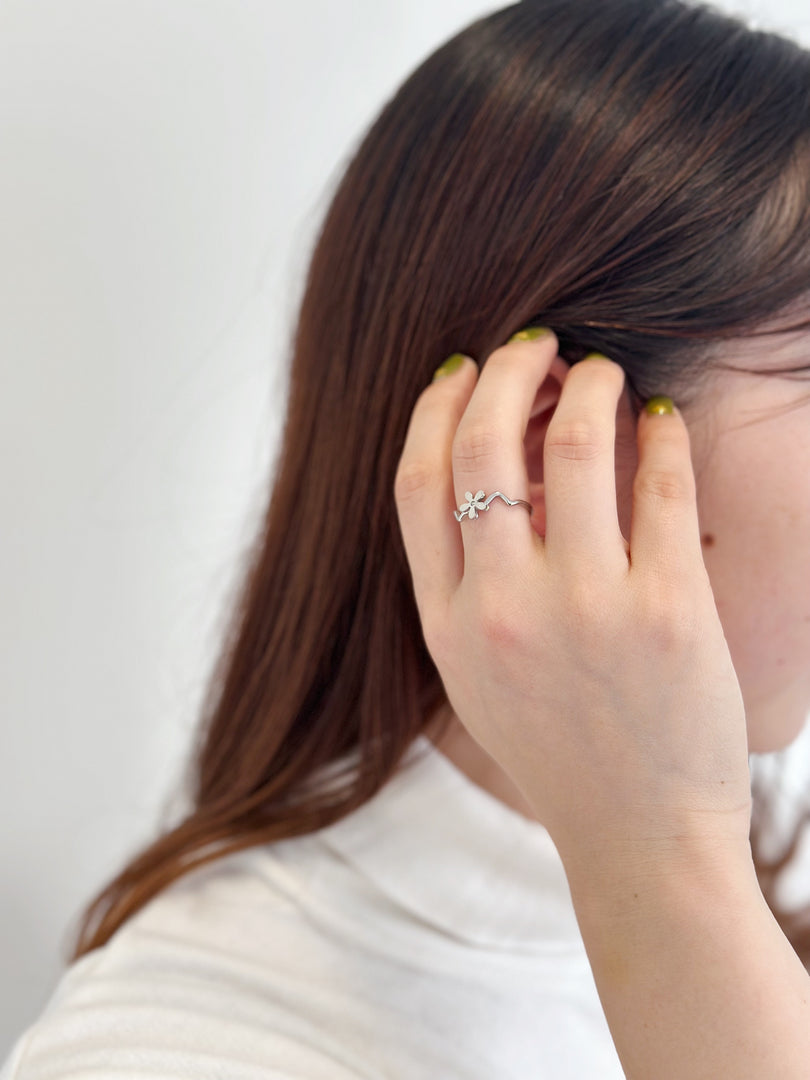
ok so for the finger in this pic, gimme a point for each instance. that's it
(665, 530)
(579, 469)
(489, 455)
(423, 490)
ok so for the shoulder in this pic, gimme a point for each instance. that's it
(190, 987)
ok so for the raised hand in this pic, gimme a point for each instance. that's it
(593, 670)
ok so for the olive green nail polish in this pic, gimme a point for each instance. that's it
(660, 406)
(530, 333)
(451, 364)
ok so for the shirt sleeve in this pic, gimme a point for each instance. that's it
(185, 1033)
(129, 1057)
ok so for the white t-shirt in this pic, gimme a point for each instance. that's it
(428, 935)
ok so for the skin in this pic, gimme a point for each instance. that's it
(631, 740)
(750, 442)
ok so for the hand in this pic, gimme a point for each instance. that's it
(595, 672)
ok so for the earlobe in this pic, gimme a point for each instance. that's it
(548, 393)
(543, 408)
(533, 448)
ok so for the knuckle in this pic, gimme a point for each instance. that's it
(666, 485)
(412, 479)
(498, 625)
(669, 620)
(587, 608)
(472, 449)
(575, 440)
(667, 634)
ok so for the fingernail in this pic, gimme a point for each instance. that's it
(596, 356)
(530, 333)
(451, 364)
(660, 406)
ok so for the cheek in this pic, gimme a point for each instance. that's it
(754, 549)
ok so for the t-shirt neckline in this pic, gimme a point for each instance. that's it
(460, 859)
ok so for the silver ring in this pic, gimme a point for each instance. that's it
(479, 501)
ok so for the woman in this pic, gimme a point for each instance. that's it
(471, 794)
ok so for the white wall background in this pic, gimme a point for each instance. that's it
(163, 167)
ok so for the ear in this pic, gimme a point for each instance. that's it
(543, 408)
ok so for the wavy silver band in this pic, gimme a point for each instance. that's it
(479, 501)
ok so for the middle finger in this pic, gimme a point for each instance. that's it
(579, 474)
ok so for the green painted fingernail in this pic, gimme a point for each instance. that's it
(530, 333)
(660, 406)
(451, 364)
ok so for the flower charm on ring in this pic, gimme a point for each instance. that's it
(477, 502)
(473, 505)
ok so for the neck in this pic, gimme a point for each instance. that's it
(469, 757)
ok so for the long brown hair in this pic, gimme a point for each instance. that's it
(631, 173)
